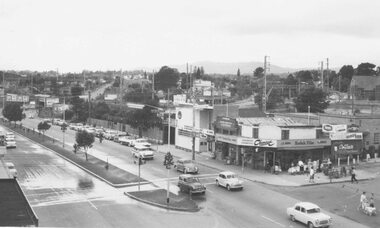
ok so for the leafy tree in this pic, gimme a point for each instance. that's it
(13, 112)
(313, 97)
(43, 126)
(80, 109)
(143, 119)
(76, 90)
(84, 140)
(243, 87)
(238, 73)
(274, 98)
(304, 76)
(366, 69)
(259, 72)
(347, 71)
(290, 80)
(166, 78)
(100, 110)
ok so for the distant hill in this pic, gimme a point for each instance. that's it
(232, 68)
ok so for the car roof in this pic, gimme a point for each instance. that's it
(307, 205)
(227, 173)
(142, 146)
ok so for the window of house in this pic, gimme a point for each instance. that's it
(376, 138)
(284, 134)
(255, 133)
(225, 132)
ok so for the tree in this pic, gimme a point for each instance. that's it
(43, 126)
(366, 69)
(76, 90)
(238, 73)
(259, 72)
(313, 97)
(13, 112)
(290, 80)
(80, 109)
(100, 110)
(84, 140)
(166, 78)
(347, 71)
(304, 76)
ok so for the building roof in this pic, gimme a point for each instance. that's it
(271, 121)
(365, 82)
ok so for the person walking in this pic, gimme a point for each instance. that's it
(311, 177)
(363, 200)
(353, 175)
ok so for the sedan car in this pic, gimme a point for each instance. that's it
(186, 166)
(191, 184)
(10, 143)
(229, 180)
(309, 214)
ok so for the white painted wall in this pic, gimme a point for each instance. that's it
(269, 132)
(300, 133)
(247, 131)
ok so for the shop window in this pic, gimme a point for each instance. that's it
(225, 132)
(284, 134)
(255, 133)
(376, 138)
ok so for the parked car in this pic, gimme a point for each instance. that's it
(110, 135)
(143, 152)
(90, 130)
(186, 166)
(10, 143)
(126, 140)
(140, 141)
(76, 126)
(309, 214)
(12, 169)
(191, 184)
(229, 180)
(119, 135)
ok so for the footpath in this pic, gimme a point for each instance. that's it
(281, 179)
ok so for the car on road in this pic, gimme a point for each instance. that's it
(10, 143)
(99, 131)
(309, 214)
(126, 140)
(140, 141)
(142, 151)
(76, 126)
(110, 135)
(191, 184)
(229, 180)
(186, 166)
(12, 169)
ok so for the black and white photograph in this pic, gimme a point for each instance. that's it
(191, 114)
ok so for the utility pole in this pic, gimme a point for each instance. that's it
(327, 73)
(265, 84)
(89, 107)
(193, 132)
(323, 80)
(340, 78)
(3, 90)
(153, 92)
(352, 96)
(64, 122)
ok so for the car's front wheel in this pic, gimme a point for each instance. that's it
(310, 225)
(292, 218)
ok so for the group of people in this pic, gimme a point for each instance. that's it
(367, 205)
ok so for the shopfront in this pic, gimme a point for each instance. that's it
(346, 145)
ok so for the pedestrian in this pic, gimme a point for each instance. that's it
(363, 200)
(371, 201)
(353, 175)
(311, 177)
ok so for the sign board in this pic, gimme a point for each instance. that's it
(346, 147)
(348, 135)
(226, 123)
(17, 98)
(330, 128)
(303, 143)
(50, 101)
(226, 138)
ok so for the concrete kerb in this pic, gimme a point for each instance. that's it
(162, 205)
(72, 162)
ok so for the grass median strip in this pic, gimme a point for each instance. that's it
(112, 174)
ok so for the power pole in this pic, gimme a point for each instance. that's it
(323, 80)
(89, 107)
(193, 132)
(327, 73)
(153, 92)
(265, 84)
(3, 90)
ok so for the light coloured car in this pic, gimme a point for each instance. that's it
(9, 135)
(10, 143)
(110, 135)
(143, 152)
(126, 140)
(229, 180)
(309, 214)
(186, 166)
(140, 141)
(12, 169)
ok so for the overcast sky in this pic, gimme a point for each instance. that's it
(73, 35)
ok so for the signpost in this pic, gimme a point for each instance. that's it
(168, 162)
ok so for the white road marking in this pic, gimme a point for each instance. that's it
(271, 220)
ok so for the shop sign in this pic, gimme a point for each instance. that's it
(353, 128)
(341, 136)
(303, 142)
(17, 98)
(346, 146)
(329, 128)
(226, 138)
(241, 141)
(265, 143)
(226, 123)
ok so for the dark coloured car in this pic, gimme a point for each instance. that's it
(191, 184)
(186, 166)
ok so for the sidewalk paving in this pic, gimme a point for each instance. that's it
(282, 179)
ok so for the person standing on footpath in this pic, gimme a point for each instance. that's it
(311, 177)
(353, 175)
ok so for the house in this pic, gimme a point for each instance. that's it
(365, 87)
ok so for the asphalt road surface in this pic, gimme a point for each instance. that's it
(64, 195)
